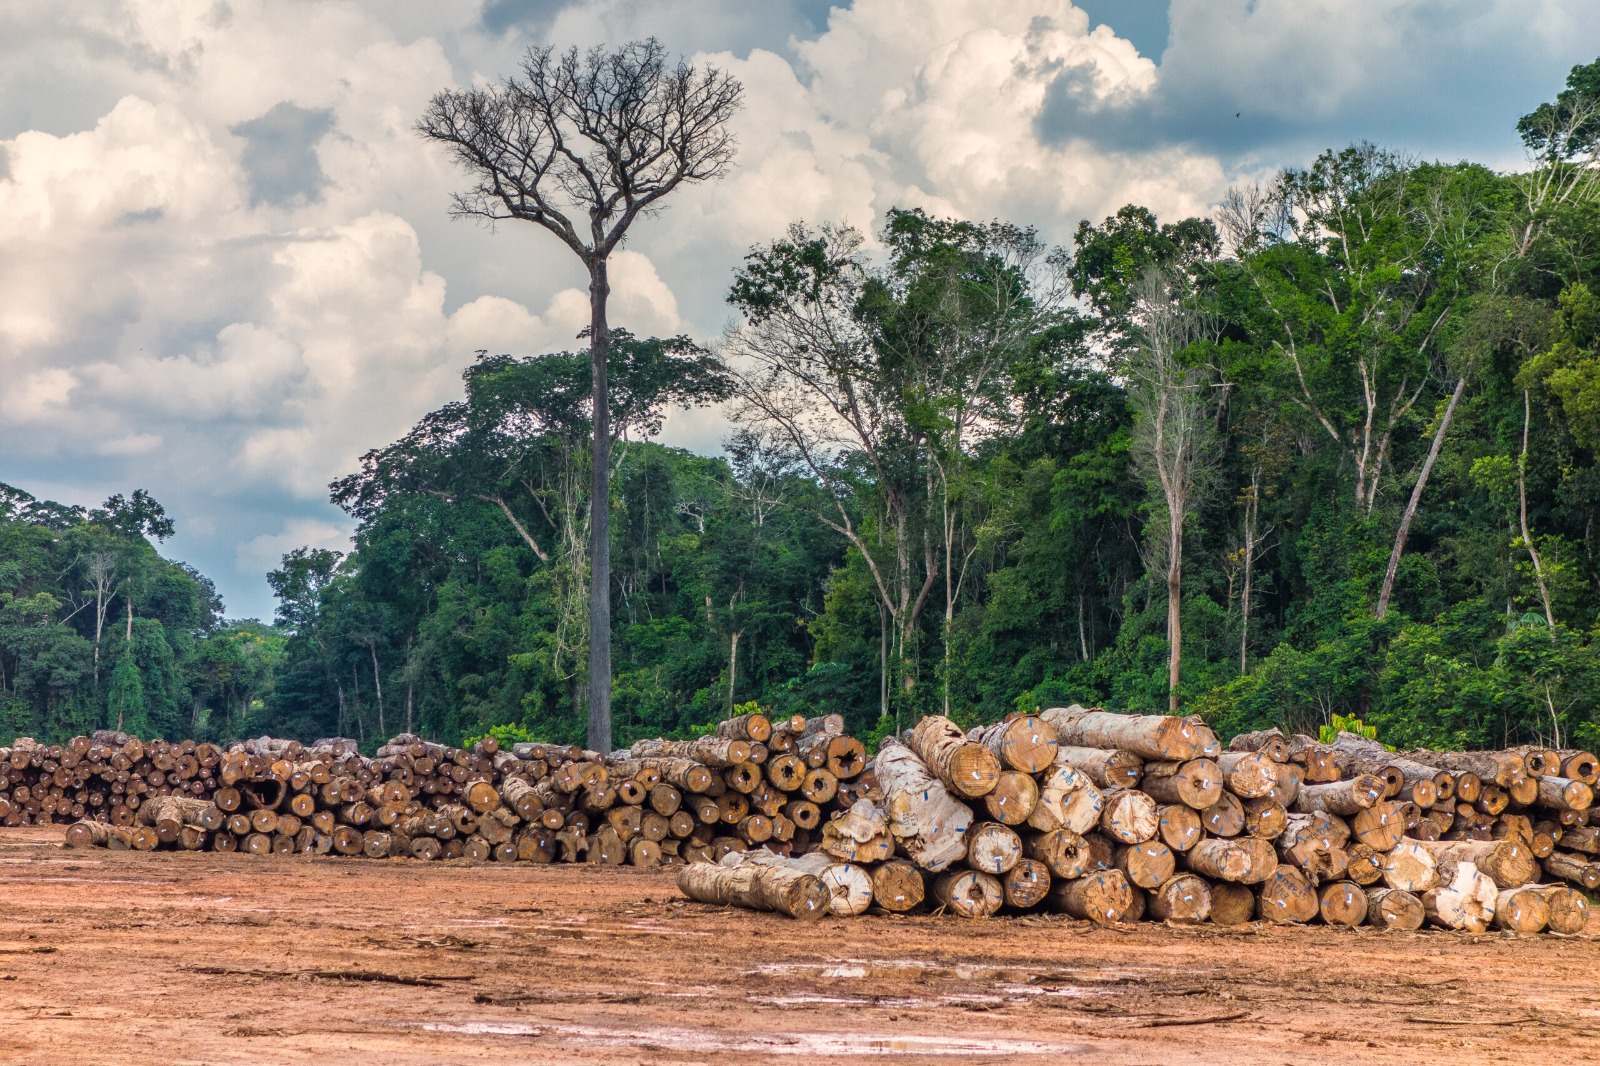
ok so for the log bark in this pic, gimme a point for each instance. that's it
(1102, 897)
(969, 893)
(1341, 797)
(1411, 867)
(928, 824)
(1179, 827)
(1565, 794)
(1508, 862)
(715, 751)
(1574, 867)
(1342, 903)
(1067, 800)
(1393, 908)
(1521, 910)
(897, 887)
(1026, 743)
(1569, 909)
(1194, 783)
(860, 835)
(1466, 901)
(849, 886)
(1014, 798)
(1026, 884)
(1129, 816)
(1231, 904)
(1358, 755)
(1499, 767)
(1248, 774)
(750, 727)
(756, 886)
(1113, 768)
(1183, 898)
(1146, 865)
(1245, 861)
(1148, 735)
(1286, 896)
(992, 848)
(1270, 742)
(1064, 853)
(964, 768)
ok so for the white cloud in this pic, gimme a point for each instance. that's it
(158, 327)
(265, 551)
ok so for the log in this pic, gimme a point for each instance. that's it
(1565, 794)
(860, 835)
(1466, 901)
(1569, 909)
(1365, 866)
(1102, 897)
(1026, 743)
(1571, 866)
(1380, 826)
(1521, 910)
(1245, 860)
(1013, 799)
(1147, 864)
(1419, 783)
(715, 751)
(1026, 884)
(897, 887)
(1508, 862)
(1499, 767)
(1290, 777)
(756, 886)
(1067, 800)
(1342, 903)
(1224, 818)
(1270, 742)
(1149, 736)
(992, 848)
(1393, 908)
(1580, 766)
(969, 893)
(928, 824)
(1410, 867)
(1183, 898)
(1248, 774)
(1129, 816)
(964, 768)
(1179, 827)
(1064, 853)
(849, 886)
(1341, 797)
(1264, 818)
(1194, 783)
(1113, 768)
(1231, 904)
(1286, 896)
(750, 727)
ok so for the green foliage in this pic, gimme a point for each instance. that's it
(1327, 734)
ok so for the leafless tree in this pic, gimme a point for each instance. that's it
(1174, 436)
(582, 145)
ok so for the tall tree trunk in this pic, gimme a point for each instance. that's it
(130, 616)
(377, 685)
(1252, 511)
(1522, 514)
(1174, 609)
(411, 681)
(733, 670)
(883, 661)
(1416, 498)
(600, 517)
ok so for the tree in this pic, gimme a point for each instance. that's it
(583, 145)
(1174, 439)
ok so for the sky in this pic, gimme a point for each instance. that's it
(227, 267)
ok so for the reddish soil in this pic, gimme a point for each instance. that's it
(201, 958)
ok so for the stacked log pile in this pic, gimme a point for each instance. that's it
(1113, 818)
(662, 801)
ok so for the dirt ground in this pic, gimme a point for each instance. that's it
(201, 958)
